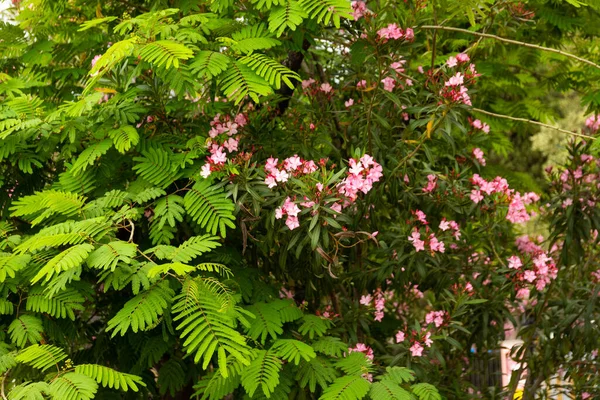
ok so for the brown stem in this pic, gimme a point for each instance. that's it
(529, 121)
(501, 39)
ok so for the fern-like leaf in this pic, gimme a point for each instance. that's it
(347, 388)
(109, 255)
(330, 346)
(29, 391)
(266, 322)
(42, 357)
(293, 350)
(314, 325)
(388, 390)
(207, 324)
(426, 391)
(70, 258)
(62, 305)
(142, 311)
(110, 378)
(288, 16)
(90, 155)
(208, 206)
(155, 167)
(317, 371)
(25, 329)
(124, 137)
(73, 386)
(240, 81)
(209, 64)
(165, 52)
(327, 10)
(10, 264)
(262, 372)
(272, 71)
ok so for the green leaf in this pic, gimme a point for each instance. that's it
(25, 329)
(42, 357)
(347, 388)
(293, 350)
(73, 386)
(263, 373)
(124, 138)
(165, 52)
(142, 311)
(208, 206)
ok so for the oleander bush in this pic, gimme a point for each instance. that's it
(295, 199)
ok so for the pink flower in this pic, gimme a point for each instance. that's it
(416, 350)
(431, 184)
(231, 145)
(388, 84)
(286, 294)
(292, 163)
(415, 239)
(420, 69)
(586, 395)
(421, 217)
(326, 88)
(529, 276)
(452, 62)
(476, 196)
(456, 80)
(360, 8)
(281, 176)
(428, 342)
(514, 262)
(95, 59)
(593, 123)
(290, 207)
(363, 348)
(392, 31)
(523, 294)
(218, 157)
(348, 103)
(270, 181)
(319, 186)
(435, 244)
(366, 299)
(307, 83)
(462, 57)
(292, 222)
(409, 34)
(478, 154)
(309, 167)
(444, 225)
(400, 337)
(271, 164)
(279, 213)
(205, 171)
(337, 207)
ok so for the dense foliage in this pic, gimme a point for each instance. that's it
(291, 199)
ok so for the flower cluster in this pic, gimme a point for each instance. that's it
(593, 123)
(280, 172)
(378, 300)
(418, 341)
(359, 9)
(435, 245)
(290, 209)
(517, 212)
(362, 174)
(438, 318)
(478, 154)
(455, 88)
(477, 124)
(393, 31)
(363, 348)
(223, 139)
(540, 272)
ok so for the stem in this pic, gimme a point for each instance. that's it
(501, 39)
(2, 390)
(529, 121)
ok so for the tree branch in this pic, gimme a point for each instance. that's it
(501, 39)
(529, 121)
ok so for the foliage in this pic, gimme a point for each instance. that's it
(291, 199)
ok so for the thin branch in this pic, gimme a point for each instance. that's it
(501, 39)
(529, 121)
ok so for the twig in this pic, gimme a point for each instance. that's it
(132, 230)
(529, 121)
(501, 39)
